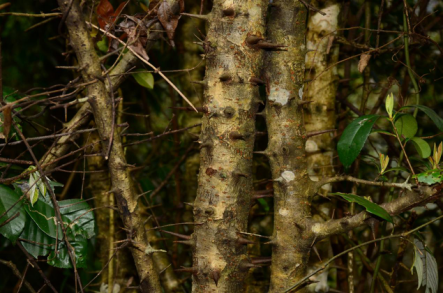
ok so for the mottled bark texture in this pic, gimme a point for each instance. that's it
(102, 107)
(284, 73)
(321, 89)
(225, 183)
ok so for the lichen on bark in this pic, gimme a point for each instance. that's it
(225, 183)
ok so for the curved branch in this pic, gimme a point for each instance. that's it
(404, 185)
(417, 197)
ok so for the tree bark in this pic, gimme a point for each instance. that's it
(286, 144)
(227, 139)
(102, 107)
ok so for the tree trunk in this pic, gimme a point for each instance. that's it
(103, 110)
(227, 139)
(286, 144)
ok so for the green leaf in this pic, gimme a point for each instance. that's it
(37, 242)
(422, 147)
(430, 177)
(371, 207)
(426, 267)
(43, 214)
(264, 204)
(143, 78)
(431, 114)
(354, 137)
(403, 169)
(8, 198)
(62, 259)
(406, 126)
(78, 214)
(389, 104)
(102, 45)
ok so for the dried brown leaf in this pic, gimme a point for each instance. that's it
(364, 60)
(168, 19)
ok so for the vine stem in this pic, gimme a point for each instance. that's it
(402, 235)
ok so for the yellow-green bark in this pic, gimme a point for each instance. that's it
(225, 180)
(321, 89)
(284, 71)
(102, 108)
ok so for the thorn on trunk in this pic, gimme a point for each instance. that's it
(199, 16)
(238, 174)
(182, 236)
(236, 135)
(191, 270)
(314, 133)
(261, 260)
(189, 109)
(245, 265)
(301, 103)
(244, 241)
(256, 81)
(269, 46)
(207, 145)
(199, 82)
(316, 252)
(253, 40)
(185, 242)
(215, 274)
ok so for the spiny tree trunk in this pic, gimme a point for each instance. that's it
(225, 183)
(286, 143)
(102, 107)
(321, 89)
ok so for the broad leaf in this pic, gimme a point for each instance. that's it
(426, 267)
(9, 198)
(371, 207)
(62, 258)
(430, 177)
(406, 126)
(143, 78)
(43, 214)
(422, 147)
(36, 242)
(78, 214)
(354, 137)
(431, 114)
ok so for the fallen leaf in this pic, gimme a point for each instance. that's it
(168, 19)
(104, 12)
(364, 59)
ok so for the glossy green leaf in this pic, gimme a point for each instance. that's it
(371, 207)
(9, 198)
(422, 147)
(353, 138)
(43, 214)
(430, 177)
(406, 126)
(143, 78)
(426, 267)
(36, 242)
(79, 215)
(431, 114)
(62, 258)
